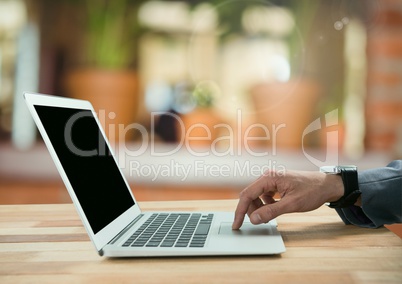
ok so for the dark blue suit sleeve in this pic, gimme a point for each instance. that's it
(381, 198)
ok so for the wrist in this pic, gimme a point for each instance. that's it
(334, 187)
(358, 202)
(350, 182)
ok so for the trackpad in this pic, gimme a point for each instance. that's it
(247, 229)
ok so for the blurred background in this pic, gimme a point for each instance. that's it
(245, 67)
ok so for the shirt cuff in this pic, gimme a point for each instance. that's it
(355, 215)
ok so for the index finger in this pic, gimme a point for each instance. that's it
(241, 210)
(247, 196)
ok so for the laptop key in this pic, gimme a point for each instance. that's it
(196, 245)
(153, 244)
(202, 229)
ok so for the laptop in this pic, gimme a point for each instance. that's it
(107, 207)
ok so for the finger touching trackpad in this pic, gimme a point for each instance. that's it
(247, 229)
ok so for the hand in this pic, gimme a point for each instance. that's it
(299, 191)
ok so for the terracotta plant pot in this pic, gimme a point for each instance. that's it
(198, 125)
(113, 94)
(286, 109)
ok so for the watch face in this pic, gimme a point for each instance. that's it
(330, 170)
(336, 169)
(347, 167)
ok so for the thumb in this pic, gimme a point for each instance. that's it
(268, 212)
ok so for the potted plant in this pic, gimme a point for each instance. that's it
(198, 125)
(288, 106)
(106, 73)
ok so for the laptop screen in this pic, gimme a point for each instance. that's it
(88, 163)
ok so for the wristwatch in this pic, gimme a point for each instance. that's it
(350, 183)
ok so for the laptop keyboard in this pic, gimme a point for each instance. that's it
(172, 230)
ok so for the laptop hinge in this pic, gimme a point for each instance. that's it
(128, 227)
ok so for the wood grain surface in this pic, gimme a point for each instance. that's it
(48, 244)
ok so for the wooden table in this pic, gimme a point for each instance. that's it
(48, 244)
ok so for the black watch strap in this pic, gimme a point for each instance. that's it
(351, 186)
